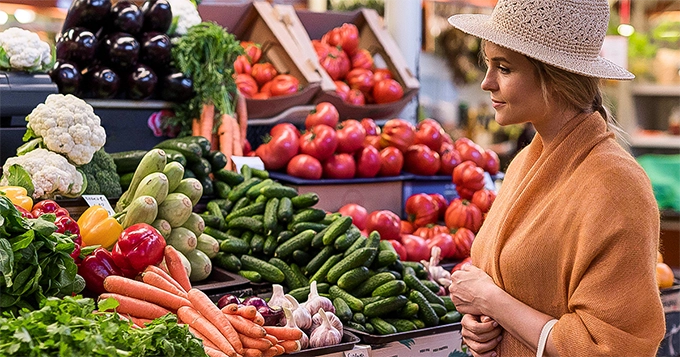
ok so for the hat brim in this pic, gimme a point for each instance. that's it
(480, 25)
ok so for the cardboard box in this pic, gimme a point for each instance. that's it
(256, 22)
(670, 345)
(438, 345)
(304, 26)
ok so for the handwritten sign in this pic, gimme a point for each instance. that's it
(254, 162)
(99, 200)
(357, 353)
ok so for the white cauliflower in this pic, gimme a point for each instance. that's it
(67, 125)
(184, 15)
(23, 50)
(51, 174)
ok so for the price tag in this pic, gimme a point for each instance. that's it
(99, 200)
(253, 161)
(363, 352)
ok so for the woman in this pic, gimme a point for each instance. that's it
(565, 262)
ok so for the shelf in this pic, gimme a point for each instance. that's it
(655, 141)
(656, 90)
(128, 104)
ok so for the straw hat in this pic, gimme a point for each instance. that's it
(567, 34)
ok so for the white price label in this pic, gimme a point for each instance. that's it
(254, 162)
(99, 200)
(356, 353)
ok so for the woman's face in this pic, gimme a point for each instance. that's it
(514, 86)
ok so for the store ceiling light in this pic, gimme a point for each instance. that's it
(24, 16)
(3, 17)
(625, 30)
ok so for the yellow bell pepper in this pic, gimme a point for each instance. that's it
(97, 227)
(19, 196)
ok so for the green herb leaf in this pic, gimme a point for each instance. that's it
(108, 304)
(18, 176)
(6, 261)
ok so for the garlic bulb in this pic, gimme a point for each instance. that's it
(436, 272)
(302, 317)
(325, 334)
(278, 298)
(334, 320)
(290, 322)
(315, 301)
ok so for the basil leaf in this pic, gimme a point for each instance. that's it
(22, 241)
(6, 261)
(18, 176)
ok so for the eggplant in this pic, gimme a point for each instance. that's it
(125, 17)
(141, 82)
(155, 50)
(119, 50)
(101, 82)
(77, 45)
(157, 16)
(227, 299)
(89, 14)
(66, 76)
(176, 87)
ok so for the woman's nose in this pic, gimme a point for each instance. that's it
(489, 82)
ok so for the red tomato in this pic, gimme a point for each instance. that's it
(381, 73)
(449, 160)
(386, 222)
(253, 50)
(368, 162)
(304, 166)
(362, 59)
(323, 113)
(445, 146)
(445, 242)
(246, 84)
(460, 265)
(399, 248)
(342, 90)
(321, 49)
(387, 91)
(430, 134)
(320, 141)
(406, 227)
(351, 136)
(398, 133)
(345, 36)
(491, 161)
(483, 199)
(279, 149)
(355, 97)
(242, 65)
(278, 128)
(463, 238)
(339, 166)
(373, 140)
(391, 161)
(442, 203)
(358, 213)
(370, 126)
(284, 84)
(421, 210)
(468, 150)
(361, 79)
(468, 179)
(263, 72)
(462, 213)
(420, 160)
(260, 96)
(429, 231)
(335, 62)
(247, 148)
(416, 247)
(266, 89)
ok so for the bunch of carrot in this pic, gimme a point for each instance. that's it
(230, 134)
(234, 331)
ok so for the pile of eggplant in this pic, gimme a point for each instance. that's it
(118, 50)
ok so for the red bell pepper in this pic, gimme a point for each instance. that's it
(69, 226)
(96, 267)
(139, 246)
(48, 206)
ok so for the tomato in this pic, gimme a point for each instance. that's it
(429, 133)
(368, 162)
(263, 72)
(355, 97)
(351, 136)
(468, 150)
(345, 36)
(242, 65)
(445, 147)
(381, 73)
(320, 141)
(445, 242)
(483, 199)
(399, 248)
(468, 179)
(460, 265)
(361, 79)
(463, 239)
(373, 140)
(339, 166)
(266, 89)
(421, 160)
(260, 96)
(491, 161)
(362, 59)
(284, 84)
(335, 62)
(321, 49)
(370, 126)
(398, 133)
(406, 227)
(387, 91)
(391, 161)
(342, 90)
(323, 113)
(416, 247)
(246, 84)
(247, 148)
(430, 230)
(450, 158)
(253, 51)
(304, 166)
(421, 210)
(442, 203)
(358, 213)
(386, 222)
(281, 147)
(278, 128)
(462, 213)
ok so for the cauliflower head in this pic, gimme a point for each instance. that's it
(185, 15)
(69, 126)
(50, 172)
(23, 50)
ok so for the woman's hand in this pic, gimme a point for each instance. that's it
(480, 334)
(470, 288)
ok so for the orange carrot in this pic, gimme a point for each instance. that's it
(136, 307)
(279, 349)
(272, 338)
(259, 319)
(215, 142)
(290, 345)
(195, 127)
(261, 344)
(213, 352)
(247, 311)
(225, 135)
(284, 333)
(207, 308)
(141, 322)
(200, 336)
(272, 351)
(165, 275)
(200, 323)
(158, 281)
(132, 288)
(242, 116)
(176, 268)
(207, 120)
(252, 352)
(230, 309)
(246, 327)
(237, 140)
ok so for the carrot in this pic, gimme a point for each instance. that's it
(230, 309)
(284, 333)
(272, 351)
(272, 338)
(245, 326)
(237, 141)
(242, 116)
(259, 319)
(207, 120)
(215, 142)
(213, 352)
(195, 127)
(280, 349)
(158, 281)
(225, 135)
(252, 352)
(290, 345)
(141, 322)
(176, 268)
(207, 308)
(200, 336)
(200, 323)
(136, 307)
(247, 311)
(164, 274)
(261, 344)
(132, 288)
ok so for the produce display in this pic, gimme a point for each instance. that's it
(22, 50)
(257, 78)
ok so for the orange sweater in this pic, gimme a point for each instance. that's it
(574, 233)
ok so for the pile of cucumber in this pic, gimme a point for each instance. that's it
(268, 232)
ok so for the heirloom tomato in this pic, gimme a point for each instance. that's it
(304, 166)
(335, 62)
(320, 141)
(283, 84)
(406, 227)
(469, 150)
(463, 238)
(361, 79)
(429, 132)
(339, 166)
(263, 72)
(421, 160)
(391, 161)
(387, 91)
(342, 90)
(282, 145)
(345, 36)
(362, 59)
(368, 162)
(445, 242)
(253, 51)
(462, 213)
(421, 210)
(381, 73)
(278, 128)
(483, 199)
(491, 161)
(351, 135)
(416, 247)
(323, 113)
(358, 213)
(441, 202)
(468, 179)
(242, 65)
(449, 160)
(373, 140)
(398, 133)
(386, 222)
(430, 230)
(246, 84)
(370, 126)
(355, 97)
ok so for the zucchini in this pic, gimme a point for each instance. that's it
(191, 151)
(190, 187)
(127, 161)
(354, 277)
(301, 241)
(382, 327)
(195, 223)
(208, 245)
(201, 266)
(285, 210)
(305, 200)
(174, 172)
(230, 177)
(144, 209)
(390, 288)
(415, 284)
(163, 227)
(356, 259)
(342, 310)
(268, 271)
(385, 306)
(278, 191)
(182, 239)
(227, 261)
(251, 275)
(153, 161)
(355, 304)
(217, 160)
(291, 279)
(372, 283)
(425, 311)
(321, 275)
(175, 209)
(337, 228)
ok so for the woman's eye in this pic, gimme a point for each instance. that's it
(503, 70)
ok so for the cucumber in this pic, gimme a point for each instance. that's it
(369, 328)
(317, 241)
(358, 243)
(346, 240)
(318, 260)
(402, 325)
(285, 210)
(262, 174)
(227, 261)
(331, 217)
(201, 141)
(342, 310)
(251, 275)
(409, 310)
(201, 266)
(247, 172)
(303, 226)
(174, 171)
(373, 241)
(337, 228)
(415, 284)
(298, 273)
(247, 236)
(188, 173)
(382, 327)
(385, 258)
(261, 198)
(257, 243)
(305, 200)
(127, 161)
(372, 283)
(291, 279)
(354, 278)
(155, 185)
(240, 203)
(208, 245)
(142, 210)
(217, 160)
(356, 259)
(434, 287)
(418, 322)
(268, 271)
(390, 288)
(191, 188)
(302, 257)
(321, 275)
(191, 151)
(182, 239)
(270, 246)
(269, 221)
(418, 268)
(301, 241)
(385, 306)
(309, 215)
(234, 245)
(163, 227)
(370, 300)
(152, 161)
(451, 317)
(359, 318)
(176, 156)
(278, 191)
(254, 191)
(284, 236)
(355, 325)
(240, 190)
(247, 211)
(448, 303)
(230, 177)
(440, 310)
(176, 209)
(222, 189)
(249, 223)
(355, 304)
(201, 168)
(425, 311)
(195, 223)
